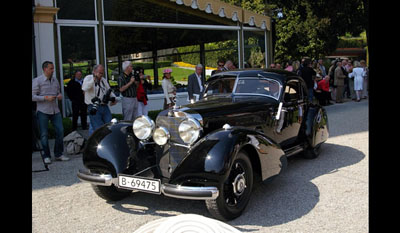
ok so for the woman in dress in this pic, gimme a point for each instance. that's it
(169, 89)
(358, 73)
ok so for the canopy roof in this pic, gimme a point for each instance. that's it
(225, 10)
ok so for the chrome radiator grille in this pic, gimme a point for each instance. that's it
(172, 125)
(172, 154)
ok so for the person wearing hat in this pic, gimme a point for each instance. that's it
(127, 86)
(169, 89)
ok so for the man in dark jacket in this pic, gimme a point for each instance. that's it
(339, 82)
(75, 94)
(196, 84)
(308, 74)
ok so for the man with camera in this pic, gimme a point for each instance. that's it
(97, 95)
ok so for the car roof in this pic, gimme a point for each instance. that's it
(277, 74)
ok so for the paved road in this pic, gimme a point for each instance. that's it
(328, 194)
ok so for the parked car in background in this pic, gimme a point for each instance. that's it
(241, 132)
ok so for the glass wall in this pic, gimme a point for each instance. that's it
(153, 35)
(76, 9)
(178, 49)
(254, 49)
(78, 52)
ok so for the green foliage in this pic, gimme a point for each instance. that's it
(312, 28)
(226, 50)
(67, 124)
(351, 43)
(145, 65)
(297, 38)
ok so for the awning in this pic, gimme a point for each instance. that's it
(225, 10)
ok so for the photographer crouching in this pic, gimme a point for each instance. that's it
(97, 95)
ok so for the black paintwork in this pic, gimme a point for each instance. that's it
(114, 149)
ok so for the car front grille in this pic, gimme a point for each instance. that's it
(173, 154)
(172, 125)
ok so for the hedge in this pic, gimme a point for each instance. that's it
(67, 123)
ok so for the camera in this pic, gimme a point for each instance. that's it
(107, 97)
(97, 102)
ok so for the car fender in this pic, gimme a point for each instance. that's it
(113, 149)
(212, 157)
(317, 127)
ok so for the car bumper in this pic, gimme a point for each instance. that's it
(170, 190)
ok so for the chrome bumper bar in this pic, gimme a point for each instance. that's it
(170, 190)
(188, 192)
(104, 180)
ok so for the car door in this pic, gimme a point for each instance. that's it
(288, 126)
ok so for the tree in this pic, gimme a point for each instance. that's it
(312, 27)
(301, 35)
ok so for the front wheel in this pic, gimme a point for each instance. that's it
(235, 191)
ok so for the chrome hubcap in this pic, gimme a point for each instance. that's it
(235, 188)
(239, 184)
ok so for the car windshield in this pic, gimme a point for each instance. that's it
(221, 86)
(258, 86)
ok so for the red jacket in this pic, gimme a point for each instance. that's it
(141, 94)
(323, 85)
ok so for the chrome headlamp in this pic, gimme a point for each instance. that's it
(143, 127)
(161, 136)
(189, 130)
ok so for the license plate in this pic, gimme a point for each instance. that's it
(139, 183)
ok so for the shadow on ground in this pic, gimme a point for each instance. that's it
(289, 197)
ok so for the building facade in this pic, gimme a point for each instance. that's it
(76, 34)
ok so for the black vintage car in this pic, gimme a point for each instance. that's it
(242, 131)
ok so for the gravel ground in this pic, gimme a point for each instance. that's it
(327, 194)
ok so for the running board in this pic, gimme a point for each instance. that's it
(294, 150)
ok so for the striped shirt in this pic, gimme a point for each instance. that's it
(124, 79)
(41, 87)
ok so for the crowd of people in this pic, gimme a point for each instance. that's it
(343, 79)
(92, 94)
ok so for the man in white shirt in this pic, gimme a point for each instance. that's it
(95, 87)
(196, 84)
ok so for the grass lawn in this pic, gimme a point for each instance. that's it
(179, 74)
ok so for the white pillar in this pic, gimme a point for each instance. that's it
(44, 33)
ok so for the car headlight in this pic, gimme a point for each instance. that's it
(189, 130)
(161, 136)
(143, 127)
